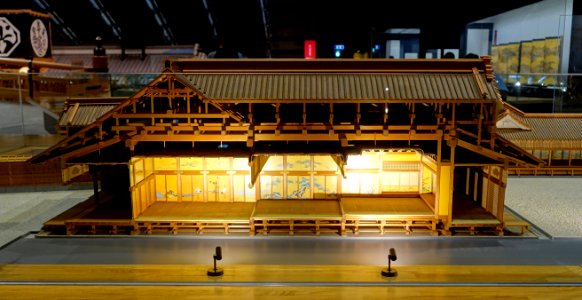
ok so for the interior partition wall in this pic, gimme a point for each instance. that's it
(308, 176)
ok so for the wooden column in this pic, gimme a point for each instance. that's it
(95, 176)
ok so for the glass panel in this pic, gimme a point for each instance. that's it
(191, 163)
(298, 187)
(324, 163)
(165, 163)
(298, 163)
(271, 187)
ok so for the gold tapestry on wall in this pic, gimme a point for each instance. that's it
(537, 59)
(525, 62)
(551, 59)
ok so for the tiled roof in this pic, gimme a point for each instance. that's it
(546, 127)
(81, 112)
(336, 86)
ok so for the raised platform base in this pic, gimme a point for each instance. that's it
(349, 215)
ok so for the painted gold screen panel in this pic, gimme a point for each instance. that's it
(298, 187)
(191, 163)
(165, 163)
(227, 179)
(241, 190)
(275, 163)
(271, 187)
(218, 188)
(324, 187)
(324, 163)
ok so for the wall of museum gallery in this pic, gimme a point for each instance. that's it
(545, 19)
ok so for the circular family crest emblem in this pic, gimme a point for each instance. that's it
(39, 38)
(9, 37)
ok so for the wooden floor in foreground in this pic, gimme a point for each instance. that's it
(47, 282)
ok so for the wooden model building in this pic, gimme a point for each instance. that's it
(297, 145)
(554, 138)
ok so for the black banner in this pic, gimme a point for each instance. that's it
(24, 35)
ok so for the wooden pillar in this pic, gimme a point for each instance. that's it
(95, 176)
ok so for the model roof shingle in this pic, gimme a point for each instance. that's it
(542, 128)
(340, 86)
(83, 115)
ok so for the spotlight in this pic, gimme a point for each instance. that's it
(216, 271)
(389, 272)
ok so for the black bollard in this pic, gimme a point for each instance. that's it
(389, 272)
(216, 271)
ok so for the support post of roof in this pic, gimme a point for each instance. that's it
(95, 176)
(257, 162)
(341, 161)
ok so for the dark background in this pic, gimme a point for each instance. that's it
(239, 23)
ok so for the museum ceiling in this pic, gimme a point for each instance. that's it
(259, 28)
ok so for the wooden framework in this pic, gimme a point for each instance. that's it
(554, 138)
(444, 110)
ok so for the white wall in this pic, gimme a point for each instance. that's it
(478, 41)
(393, 48)
(548, 18)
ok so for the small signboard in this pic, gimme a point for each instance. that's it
(24, 34)
(309, 49)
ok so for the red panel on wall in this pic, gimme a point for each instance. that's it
(309, 49)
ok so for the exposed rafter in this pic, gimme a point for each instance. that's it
(66, 30)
